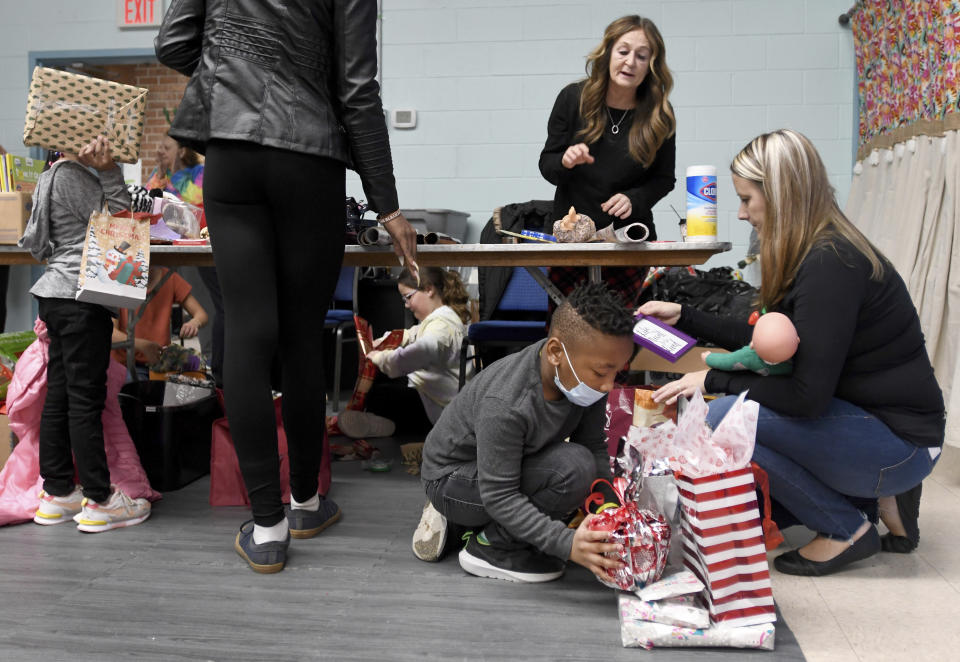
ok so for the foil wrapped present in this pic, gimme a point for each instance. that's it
(643, 534)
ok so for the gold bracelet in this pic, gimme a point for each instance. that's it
(389, 217)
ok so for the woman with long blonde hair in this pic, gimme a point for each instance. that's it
(860, 420)
(611, 141)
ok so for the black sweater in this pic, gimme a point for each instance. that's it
(587, 186)
(860, 341)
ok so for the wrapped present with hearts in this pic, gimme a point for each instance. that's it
(643, 533)
(638, 633)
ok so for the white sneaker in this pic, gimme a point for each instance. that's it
(431, 535)
(117, 511)
(363, 424)
(57, 510)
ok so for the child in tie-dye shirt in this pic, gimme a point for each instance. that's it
(180, 172)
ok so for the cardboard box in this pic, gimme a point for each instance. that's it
(66, 111)
(14, 212)
(5, 439)
(689, 362)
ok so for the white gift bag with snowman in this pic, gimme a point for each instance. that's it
(115, 266)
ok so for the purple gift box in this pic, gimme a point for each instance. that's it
(661, 338)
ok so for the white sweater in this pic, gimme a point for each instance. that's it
(430, 357)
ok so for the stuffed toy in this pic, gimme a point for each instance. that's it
(769, 353)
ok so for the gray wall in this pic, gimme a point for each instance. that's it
(483, 74)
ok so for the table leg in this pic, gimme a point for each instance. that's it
(545, 283)
(593, 273)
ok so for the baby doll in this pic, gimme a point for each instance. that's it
(774, 343)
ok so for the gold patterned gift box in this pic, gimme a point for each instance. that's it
(65, 111)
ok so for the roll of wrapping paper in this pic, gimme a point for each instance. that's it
(432, 238)
(374, 237)
(629, 234)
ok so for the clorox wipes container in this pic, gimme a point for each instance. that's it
(701, 203)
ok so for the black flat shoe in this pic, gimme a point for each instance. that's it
(908, 507)
(792, 563)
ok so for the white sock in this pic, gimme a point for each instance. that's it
(276, 533)
(313, 503)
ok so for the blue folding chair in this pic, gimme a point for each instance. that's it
(522, 295)
(339, 320)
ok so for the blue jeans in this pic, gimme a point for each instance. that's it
(815, 463)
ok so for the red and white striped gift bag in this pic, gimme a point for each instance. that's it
(723, 545)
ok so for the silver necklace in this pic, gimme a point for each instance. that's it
(615, 126)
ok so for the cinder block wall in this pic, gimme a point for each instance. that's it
(483, 75)
(166, 89)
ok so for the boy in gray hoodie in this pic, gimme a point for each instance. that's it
(517, 450)
(79, 352)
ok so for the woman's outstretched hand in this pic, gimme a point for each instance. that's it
(404, 243)
(686, 386)
(665, 311)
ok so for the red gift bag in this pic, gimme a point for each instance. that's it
(226, 481)
(723, 545)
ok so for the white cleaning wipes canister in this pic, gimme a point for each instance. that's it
(701, 203)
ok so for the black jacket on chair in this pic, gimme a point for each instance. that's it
(492, 281)
(293, 75)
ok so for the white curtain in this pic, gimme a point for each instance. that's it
(906, 200)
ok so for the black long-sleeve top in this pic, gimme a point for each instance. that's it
(587, 186)
(860, 341)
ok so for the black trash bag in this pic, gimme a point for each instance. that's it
(715, 291)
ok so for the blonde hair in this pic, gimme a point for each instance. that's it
(190, 157)
(447, 284)
(653, 121)
(801, 209)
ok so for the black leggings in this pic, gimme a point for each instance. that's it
(276, 222)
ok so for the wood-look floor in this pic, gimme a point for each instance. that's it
(174, 589)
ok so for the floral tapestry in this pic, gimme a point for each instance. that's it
(908, 69)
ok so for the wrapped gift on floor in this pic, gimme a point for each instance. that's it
(643, 533)
(66, 111)
(636, 633)
(721, 534)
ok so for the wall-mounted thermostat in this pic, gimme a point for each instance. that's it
(403, 118)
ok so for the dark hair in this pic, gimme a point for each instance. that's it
(448, 285)
(595, 305)
(52, 157)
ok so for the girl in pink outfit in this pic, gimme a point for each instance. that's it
(20, 480)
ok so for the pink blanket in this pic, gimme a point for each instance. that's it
(20, 481)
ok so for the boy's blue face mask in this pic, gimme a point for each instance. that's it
(581, 394)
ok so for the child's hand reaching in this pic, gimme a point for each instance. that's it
(189, 329)
(589, 548)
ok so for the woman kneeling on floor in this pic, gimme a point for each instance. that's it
(861, 417)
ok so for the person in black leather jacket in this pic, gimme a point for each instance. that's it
(282, 98)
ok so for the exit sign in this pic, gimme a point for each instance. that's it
(139, 13)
